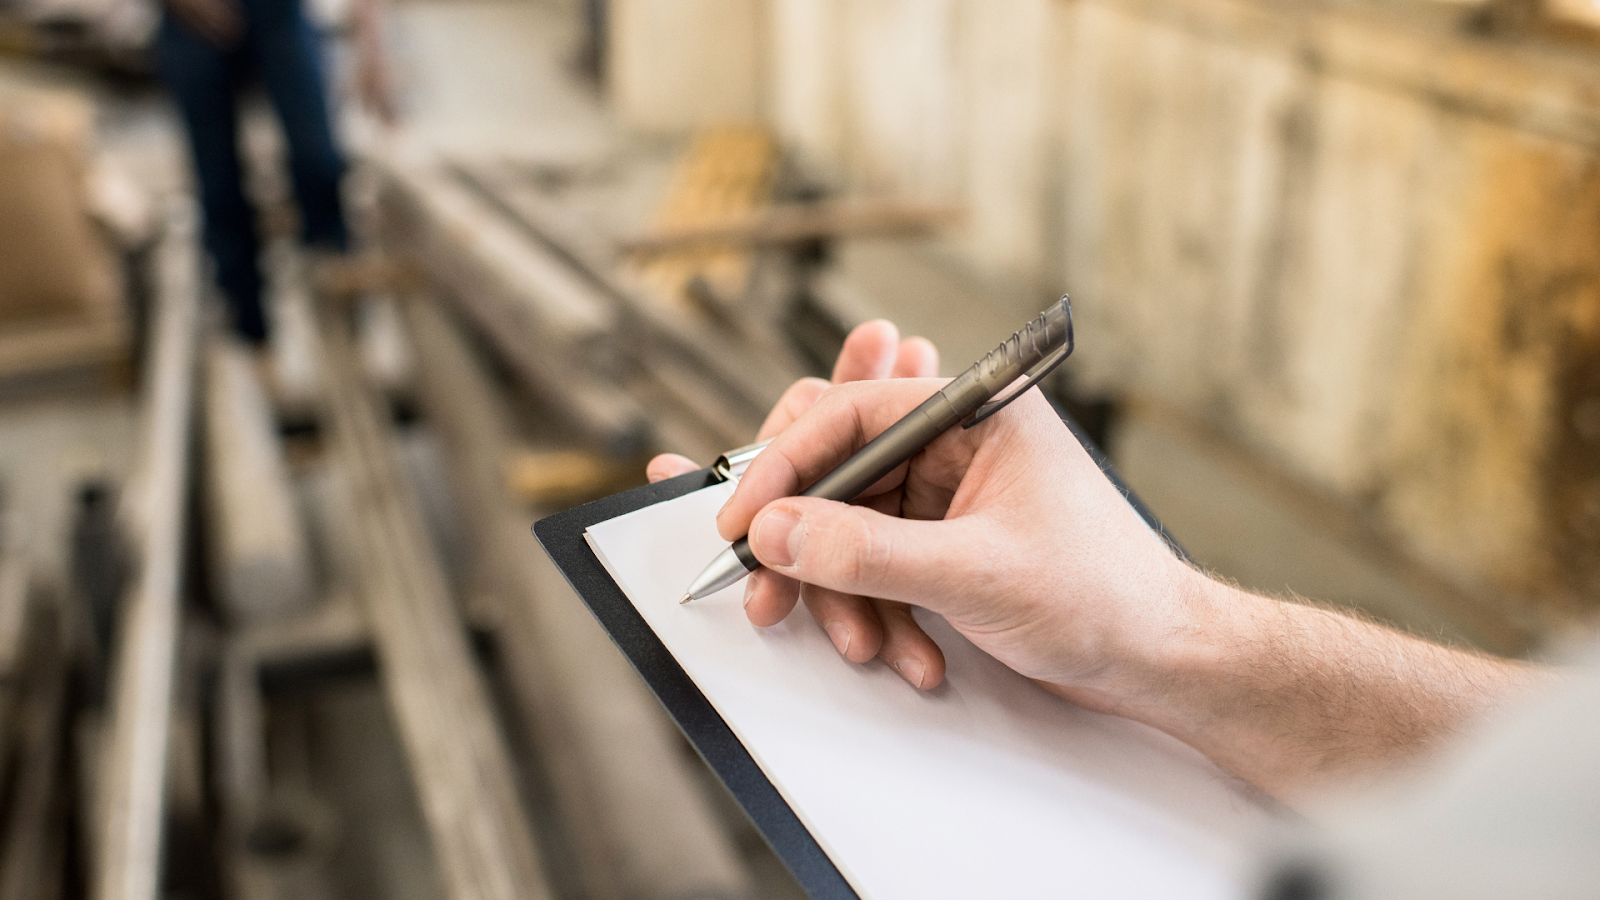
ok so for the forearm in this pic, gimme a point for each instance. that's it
(1294, 698)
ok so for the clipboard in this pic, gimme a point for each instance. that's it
(562, 536)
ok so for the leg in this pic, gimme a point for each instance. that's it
(200, 77)
(287, 54)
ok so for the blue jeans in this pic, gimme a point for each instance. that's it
(281, 47)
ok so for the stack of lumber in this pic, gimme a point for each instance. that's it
(482, 839)
(702, 379)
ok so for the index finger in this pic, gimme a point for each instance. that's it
(841, 422)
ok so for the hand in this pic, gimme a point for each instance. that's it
(871, 352)
(219, 22)
(1012, 534)
(1007, 530)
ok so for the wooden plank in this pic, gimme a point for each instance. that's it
(469, 794)
(261, 560)
(550, 325)
(748, 365)
(56, 346)
(792, 224)
(639, 824)
(727, 171)
(560, 478)
(133, 783)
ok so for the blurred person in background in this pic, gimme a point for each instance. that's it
(206, 50)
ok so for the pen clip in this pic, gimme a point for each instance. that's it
(1033, 376)
(729, 466)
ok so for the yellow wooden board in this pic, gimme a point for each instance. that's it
(727, 172)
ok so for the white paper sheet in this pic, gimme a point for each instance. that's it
(984, 787)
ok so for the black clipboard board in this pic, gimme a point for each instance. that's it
(562, 536)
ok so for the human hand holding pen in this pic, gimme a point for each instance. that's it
(873, 350)
(1008, 530)
(1013, 535)
(1029, 550)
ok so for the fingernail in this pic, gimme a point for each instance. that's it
(911, 671)
(839, 633)
(778, 537)
(750, 588)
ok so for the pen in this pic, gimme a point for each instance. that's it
(1029, 354)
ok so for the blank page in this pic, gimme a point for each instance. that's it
(984, 787)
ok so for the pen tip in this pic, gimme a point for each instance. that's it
(686, 599)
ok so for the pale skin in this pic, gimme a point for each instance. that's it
(1011, 533)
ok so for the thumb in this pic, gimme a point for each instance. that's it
(856, 550)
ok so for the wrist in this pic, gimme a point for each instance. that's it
(1191, 679)
(1150, 670)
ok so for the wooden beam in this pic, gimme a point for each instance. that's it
(470, 797)
(133, 783)
(794, 224)
(554, 330)
(640, 825)
(750, 369)
(261, 560)
(560, 478)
